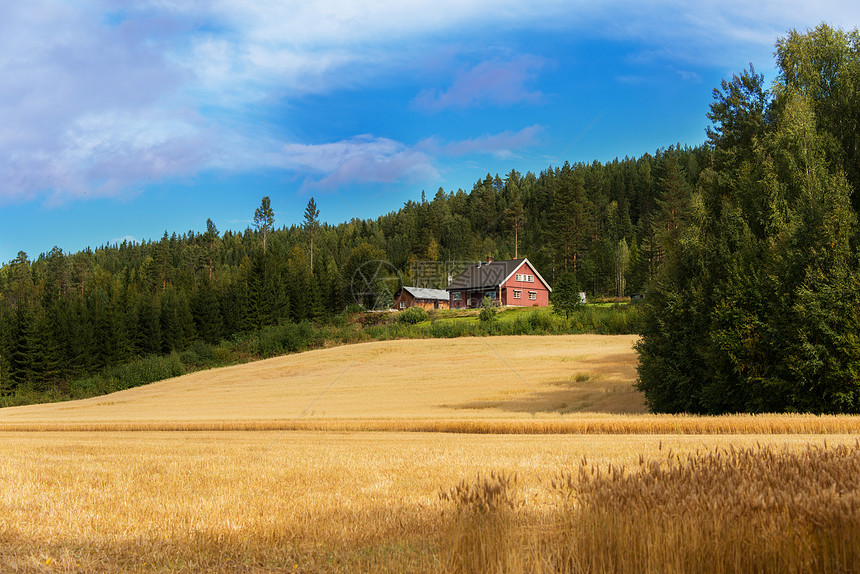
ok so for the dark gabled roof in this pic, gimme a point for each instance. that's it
(485, 276)
(491, 275)
(424, 293)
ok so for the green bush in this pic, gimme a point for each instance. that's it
(204, 351)
(280, 339)
(488, 310)
(450, 329)
(541, 322)
(144, 371)
(412, 316)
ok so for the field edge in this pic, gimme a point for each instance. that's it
(764, 424)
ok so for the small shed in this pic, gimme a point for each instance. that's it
(420, 297)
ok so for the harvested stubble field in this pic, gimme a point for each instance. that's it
(330, 480)
(517, 385)
(465, 378)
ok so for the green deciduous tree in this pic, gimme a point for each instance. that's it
(823, 64)
(622, 261)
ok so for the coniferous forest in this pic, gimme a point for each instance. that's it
(746, 248)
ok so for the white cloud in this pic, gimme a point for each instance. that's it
(88, 110)
(498, 83)
(501, 145)
(368, 159)
(715, 32)
(363, 159)
(100, 97)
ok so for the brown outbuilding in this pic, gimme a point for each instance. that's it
(420, 297)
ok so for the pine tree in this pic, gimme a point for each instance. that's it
(515, 215)
(264, 219)
(212, 242)
(311, 225)
(571, 221)
(206, 311)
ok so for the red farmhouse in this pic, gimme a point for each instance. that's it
(514, 282)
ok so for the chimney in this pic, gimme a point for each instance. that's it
(489, 258)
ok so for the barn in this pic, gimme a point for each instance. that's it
(511, 282)
(421, 297)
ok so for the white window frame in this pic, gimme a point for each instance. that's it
(518, 294)
(457, 295)
(532, 295)
(403, 304)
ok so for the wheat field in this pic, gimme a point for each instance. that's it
(470, 377)
(508, 385)
(279, 501)
(420, 456)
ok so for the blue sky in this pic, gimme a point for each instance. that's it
(121, 122)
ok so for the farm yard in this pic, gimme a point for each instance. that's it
(323, 461)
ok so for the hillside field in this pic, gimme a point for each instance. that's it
(463, 378)
(326, 478)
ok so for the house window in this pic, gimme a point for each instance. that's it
(518, 294)
(532, 295)
(523, 278)
(403, 304)
(457, 296)
(530, 278)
